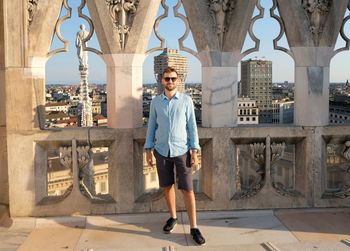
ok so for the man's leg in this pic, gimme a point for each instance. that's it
(190, 203)
(170, 198)
(165, 170)
(184, 174)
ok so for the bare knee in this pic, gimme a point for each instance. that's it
(186, 192)
(167, 189)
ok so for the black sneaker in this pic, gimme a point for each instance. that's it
(169, 225)
(197, 236)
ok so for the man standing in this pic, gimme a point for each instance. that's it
(172, 134)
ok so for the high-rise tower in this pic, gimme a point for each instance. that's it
(256, 81)
(172, 58)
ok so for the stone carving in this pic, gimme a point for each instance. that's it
(277, 153)
(253, 189)
(66, 161)
(86, 171)
(32, 6)
(346, 152)
(316, 11)
(80, 43)
(340, 156)
(258, 154)
(221, 12)
(122, 13)
(66, 157)
(91, 28)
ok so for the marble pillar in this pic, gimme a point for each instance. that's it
(311, 85)
(219, 88)
(124, 90)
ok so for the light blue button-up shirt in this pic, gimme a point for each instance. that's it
(172, 125)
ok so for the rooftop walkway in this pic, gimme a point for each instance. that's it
(287, 229)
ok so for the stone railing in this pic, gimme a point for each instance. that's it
(243, 167)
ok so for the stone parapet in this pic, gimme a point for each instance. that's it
(296, 170)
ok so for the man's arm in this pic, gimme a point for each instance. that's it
(193, 134)
(151, 129)
(192, 126)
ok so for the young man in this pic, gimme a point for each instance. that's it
(172, 134)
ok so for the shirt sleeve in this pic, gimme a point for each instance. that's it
(192, 126)
(152, 126)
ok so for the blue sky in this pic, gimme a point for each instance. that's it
(63, 67)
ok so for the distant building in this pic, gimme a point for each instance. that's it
(282, 112)
(172, 58)
(248, 112)
(195, 92)
(55, 117)
(339, 113)
(104, 108)
(256, 82)
(100, 120)
(57, 107)
(96, 107)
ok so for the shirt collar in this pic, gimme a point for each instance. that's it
(177, 95)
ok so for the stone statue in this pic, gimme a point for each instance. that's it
(79, 42)
(122, 12)
(316, 10)
(129, 6)
(220, 12)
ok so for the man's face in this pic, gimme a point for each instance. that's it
(169, 81)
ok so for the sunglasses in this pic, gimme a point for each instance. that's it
(167, 79)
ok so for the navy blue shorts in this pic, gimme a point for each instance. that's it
(165, 169)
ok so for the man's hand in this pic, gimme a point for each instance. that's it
(149, 158)
(194, 160)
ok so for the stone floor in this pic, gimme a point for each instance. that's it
(292, 229)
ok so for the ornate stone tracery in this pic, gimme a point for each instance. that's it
(257, 151)
(277, 151)
(221, 12)
(66, 157)
(32, 6)
(122, 13)
(316, 11)
(338, 157)
(86, 171)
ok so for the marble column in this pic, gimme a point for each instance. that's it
(219, 90)
(311, 85)
(124, 90)
(312, 29)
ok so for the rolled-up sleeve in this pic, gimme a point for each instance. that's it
(152, 126)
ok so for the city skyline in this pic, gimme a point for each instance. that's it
(63, 67)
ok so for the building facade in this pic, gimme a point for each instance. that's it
(282, 112)
(339, 113)
(248, 112)
(256, 81)
(172, 58)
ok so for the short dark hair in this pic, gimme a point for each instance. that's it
(169, 70)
